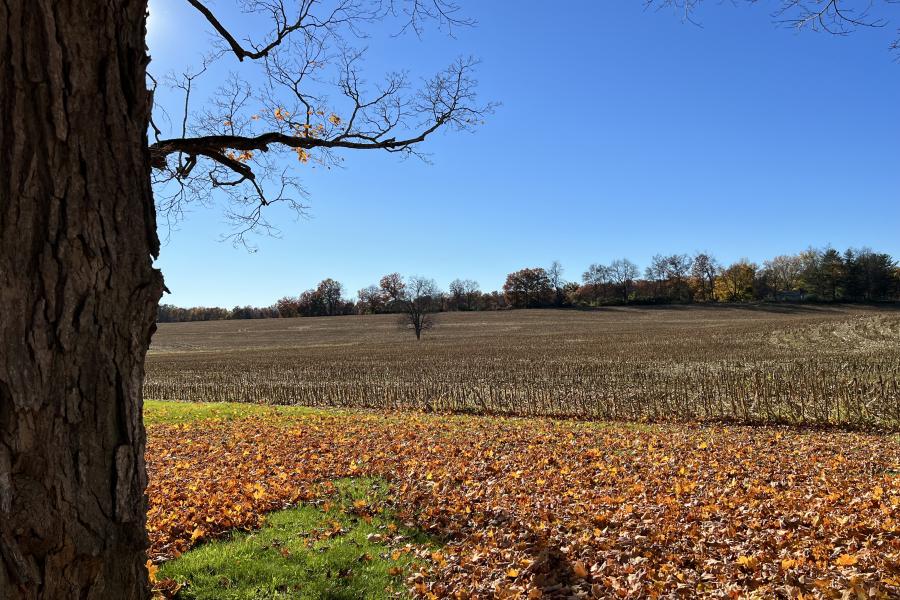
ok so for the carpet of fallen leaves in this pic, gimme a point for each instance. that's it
(539, 508)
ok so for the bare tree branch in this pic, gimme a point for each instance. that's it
(837, 17)
(314, 102)
(284, 26)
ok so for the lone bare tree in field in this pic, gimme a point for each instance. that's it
(419, 299)
(78, 234)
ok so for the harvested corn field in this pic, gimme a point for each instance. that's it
(754, 364)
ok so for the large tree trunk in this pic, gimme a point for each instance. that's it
(77, 297)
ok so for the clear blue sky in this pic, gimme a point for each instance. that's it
(622, 132)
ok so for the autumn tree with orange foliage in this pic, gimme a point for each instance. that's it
(735, 284)
(528, 288)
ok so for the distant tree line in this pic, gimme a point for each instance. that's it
(814, 275)
(175, 314)
(325, 300)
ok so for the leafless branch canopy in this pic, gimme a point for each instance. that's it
(838, 17)
(314, 102)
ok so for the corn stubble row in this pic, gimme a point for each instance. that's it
(829, 367)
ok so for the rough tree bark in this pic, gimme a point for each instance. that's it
(77, 297)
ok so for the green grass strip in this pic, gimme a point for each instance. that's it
(307, 552)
